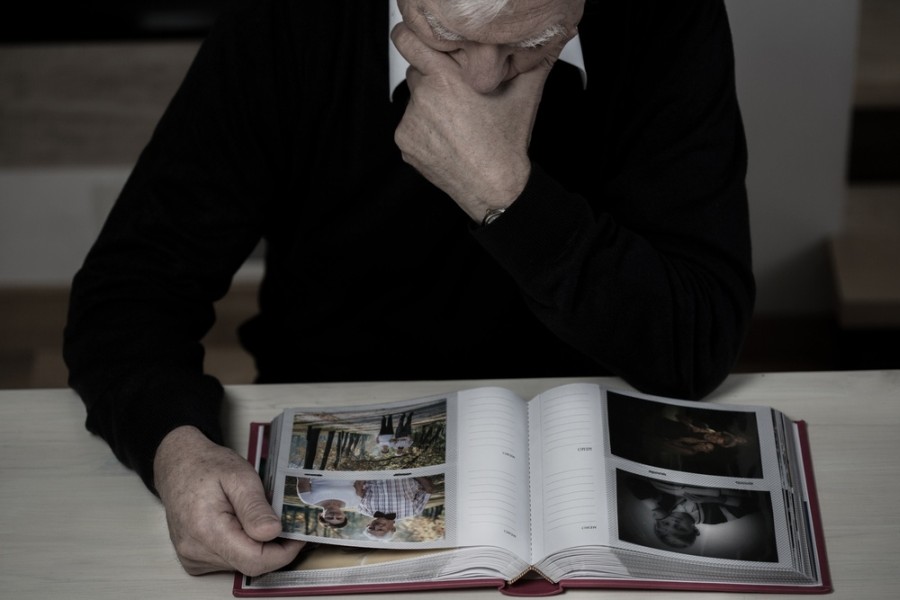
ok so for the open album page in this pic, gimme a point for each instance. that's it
(370, 476)
(581, 482)
(492, 484)
(443, 472)
(694, 490)
(568, 485)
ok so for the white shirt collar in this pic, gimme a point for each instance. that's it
(397, 65)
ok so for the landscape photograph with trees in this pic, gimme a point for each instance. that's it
(370, 439)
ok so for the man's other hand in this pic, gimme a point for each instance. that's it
(218, 516)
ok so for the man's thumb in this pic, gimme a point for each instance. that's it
(254, 513)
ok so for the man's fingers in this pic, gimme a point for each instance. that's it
(416, 53)
(250, 557)
(260, 523)
(231, 549)
(218, 515)
(251, 544)
(254, 513)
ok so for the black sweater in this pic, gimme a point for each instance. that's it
(627, 253)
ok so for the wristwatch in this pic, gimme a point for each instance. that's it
(492, 215)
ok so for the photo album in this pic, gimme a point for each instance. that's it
(579, 487)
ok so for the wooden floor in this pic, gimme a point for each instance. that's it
(32, 321)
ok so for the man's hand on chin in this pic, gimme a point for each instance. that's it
(472, 145)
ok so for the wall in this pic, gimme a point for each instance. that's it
(73, 118)
(795, 69)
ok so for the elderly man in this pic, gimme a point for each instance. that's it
(505, 188)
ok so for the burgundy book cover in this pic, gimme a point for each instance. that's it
(528, 587)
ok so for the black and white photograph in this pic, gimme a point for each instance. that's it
(713, 522)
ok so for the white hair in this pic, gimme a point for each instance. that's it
(476, 12)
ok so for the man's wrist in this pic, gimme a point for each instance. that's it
(491, 215)
(177, 443)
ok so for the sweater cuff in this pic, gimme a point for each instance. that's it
(538, 229)
(158, 407)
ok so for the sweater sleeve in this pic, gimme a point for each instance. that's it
(183, 224)
(651, 275)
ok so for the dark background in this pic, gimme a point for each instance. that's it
(106, 20)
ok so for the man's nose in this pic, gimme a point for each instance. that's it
(485, 66)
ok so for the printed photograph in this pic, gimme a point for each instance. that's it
(370, 440)
(693, 439)
(395, 509)
(703, 521)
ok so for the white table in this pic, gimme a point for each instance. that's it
(76, 524)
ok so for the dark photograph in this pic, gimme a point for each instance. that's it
(691, 439)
